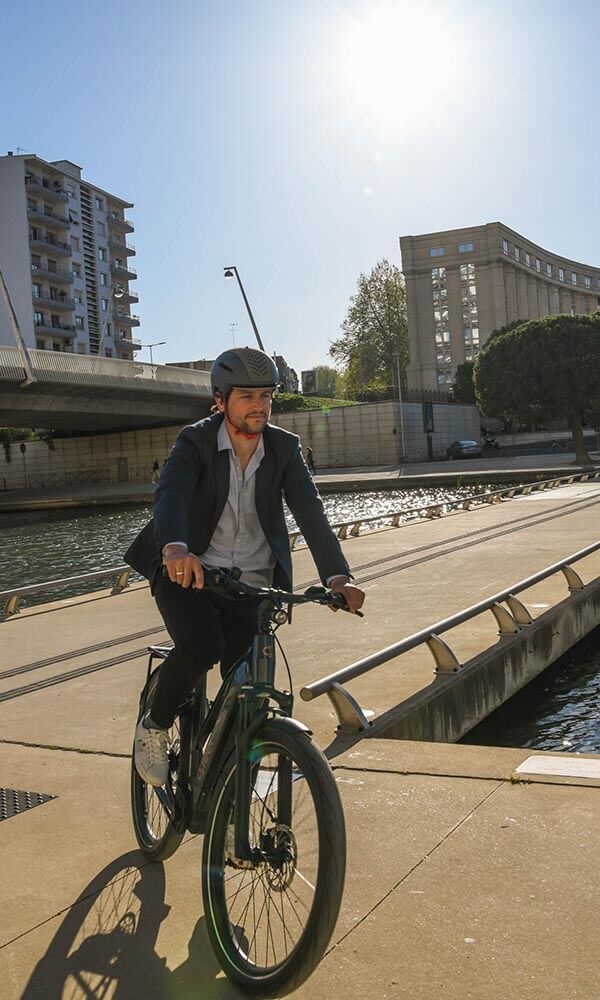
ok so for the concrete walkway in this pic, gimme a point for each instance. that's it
(465, 879)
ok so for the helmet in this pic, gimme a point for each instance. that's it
(243, 368)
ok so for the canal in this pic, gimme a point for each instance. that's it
(558, 711)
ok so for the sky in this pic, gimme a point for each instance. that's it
(299, 141)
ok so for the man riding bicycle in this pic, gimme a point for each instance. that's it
(219, 504)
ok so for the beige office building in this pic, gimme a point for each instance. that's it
(65, 257)
(462, 284)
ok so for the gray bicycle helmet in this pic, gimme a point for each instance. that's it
(243, 368)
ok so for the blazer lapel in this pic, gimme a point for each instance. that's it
(262, 491)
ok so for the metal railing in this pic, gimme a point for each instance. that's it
(13, 597)
(352, 527)
(510, 620)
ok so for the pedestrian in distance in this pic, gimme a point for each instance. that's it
(310, 461)
(155, 471)
(219, 504)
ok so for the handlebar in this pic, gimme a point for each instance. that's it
(217, 579)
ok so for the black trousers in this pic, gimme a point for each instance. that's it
(205, 628)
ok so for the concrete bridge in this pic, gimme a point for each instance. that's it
(71, 391)
(472, 871)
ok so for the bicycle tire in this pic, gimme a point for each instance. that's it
(237, 952)
(155, 833)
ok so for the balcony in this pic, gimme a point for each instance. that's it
(120, 246)
(60, 274)
(125, 344)
(48, 244)
(61, 304)
(121, 225)
(126, 319)
(52, 190)
(123, 270)
(68, 332)
(38, 215)
(129, 297)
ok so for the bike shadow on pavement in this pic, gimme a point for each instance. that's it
(106, 944)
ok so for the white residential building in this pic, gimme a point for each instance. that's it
(65, 258)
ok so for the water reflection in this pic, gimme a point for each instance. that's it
(557, 711)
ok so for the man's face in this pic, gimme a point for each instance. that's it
(248, 409)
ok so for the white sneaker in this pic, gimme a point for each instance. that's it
(150, 754)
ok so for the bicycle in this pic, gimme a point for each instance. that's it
(246, 774)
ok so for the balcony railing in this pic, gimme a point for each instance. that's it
(121, 224)
(123, 269)
(122, 245)
(64, 330)
(129, 318)
(48, 217)
(60, 274)
(61, 303)
(55, 245)
(51, 190)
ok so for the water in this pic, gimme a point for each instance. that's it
(48, 545)
(560, 710)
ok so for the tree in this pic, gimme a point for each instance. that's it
(544, 369)
(375, 332)
(463, 388)
(329, 382)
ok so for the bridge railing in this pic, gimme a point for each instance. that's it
(511, 619)
(13, 597)
(59, 366)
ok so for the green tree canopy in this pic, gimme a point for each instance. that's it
(463, 388)
(544, 369)
(374, 332)
(329, 382)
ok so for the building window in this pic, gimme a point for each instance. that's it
(78, 298)
(40, 344)
(573, 277)
(549, 270)
(79, 323)
(99, 204)
(538, 264)
(505, 246)
(517, 253)
(56, 345)
(561, 274)
(76, 270)
(437, 251)
(103, 280)
(441, 321)
(75, 243)
(104, 305)
(71, 191)
(55, 321)
(38, 318)
(572, 304)
(33, 232)
(36, 261)
(465, 247)
(587, 281)
(81, 348)
(528, 259)
(108, 352)
(36, 290)
(468, 288)
(74, 217)
(101, 229)
(101, 253)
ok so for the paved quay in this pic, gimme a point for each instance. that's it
(522, 468)
(466, 878)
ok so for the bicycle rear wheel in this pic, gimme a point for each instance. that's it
(155, 832)
(270, 922)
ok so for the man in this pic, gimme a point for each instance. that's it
(219, 504)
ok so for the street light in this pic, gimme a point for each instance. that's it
(229, 273)
(156, 343)
(116, 292)
(404, 456)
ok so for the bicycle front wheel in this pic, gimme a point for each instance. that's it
(270, 921)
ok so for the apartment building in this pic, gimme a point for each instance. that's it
(462, 284)
(65, 255)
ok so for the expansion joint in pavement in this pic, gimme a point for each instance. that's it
(48, 746)
(417, 865)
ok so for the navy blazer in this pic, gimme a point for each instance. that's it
(193, 490)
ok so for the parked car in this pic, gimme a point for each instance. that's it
(464, 449)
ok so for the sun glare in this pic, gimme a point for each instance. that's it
(397, 60)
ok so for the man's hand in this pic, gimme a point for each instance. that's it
(183, 567)
(353, 596)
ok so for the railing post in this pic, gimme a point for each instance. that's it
(574, 581)
(506, 623)
(122, 582)
(12, 606)
(351, 717)
(445, 660)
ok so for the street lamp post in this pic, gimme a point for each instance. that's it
(229, 273)
(156, 343)
(116, 292)
(403, 440)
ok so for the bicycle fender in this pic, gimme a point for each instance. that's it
(290, 725)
